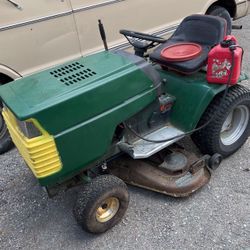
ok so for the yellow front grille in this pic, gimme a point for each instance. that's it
(40, 153)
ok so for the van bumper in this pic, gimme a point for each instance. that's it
(242, 8)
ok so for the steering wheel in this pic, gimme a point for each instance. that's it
(142, 36)
(141, 41)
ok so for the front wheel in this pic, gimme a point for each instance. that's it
(101, 204)
(230, 127)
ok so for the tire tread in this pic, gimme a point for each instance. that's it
(205, 138)
(90, 193)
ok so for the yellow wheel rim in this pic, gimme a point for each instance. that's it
(107, 210)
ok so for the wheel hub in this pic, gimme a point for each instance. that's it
(107, 209)
(234, 125)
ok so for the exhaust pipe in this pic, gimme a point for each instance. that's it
(236, 27)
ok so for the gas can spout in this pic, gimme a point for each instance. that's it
(103, 34)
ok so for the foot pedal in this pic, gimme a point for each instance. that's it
(141, 149)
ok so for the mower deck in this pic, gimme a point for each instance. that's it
(174, 172)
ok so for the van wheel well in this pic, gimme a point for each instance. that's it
(4, 79)
(229, 5)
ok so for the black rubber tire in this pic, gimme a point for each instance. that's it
(208, 139)
(92, 197)
(5, 140)
(221, 12)
(215, 161)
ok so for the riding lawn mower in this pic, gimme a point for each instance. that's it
(116, 117)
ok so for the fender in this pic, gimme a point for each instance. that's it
(5, 70)
(193, 95)
(242, 8)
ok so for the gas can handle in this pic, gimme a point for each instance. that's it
(228, 41)
(230, 38)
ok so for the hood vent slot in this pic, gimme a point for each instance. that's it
(72, 73)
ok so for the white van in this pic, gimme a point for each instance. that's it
(35, 35)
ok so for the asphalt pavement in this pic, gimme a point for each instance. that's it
(215, 217)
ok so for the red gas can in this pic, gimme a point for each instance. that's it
(220, 62)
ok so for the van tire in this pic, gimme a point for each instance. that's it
(221, 12)
(5, 140)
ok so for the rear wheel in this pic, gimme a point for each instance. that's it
(5, 140)
(101, 204)
(230, 128)
(221, 12)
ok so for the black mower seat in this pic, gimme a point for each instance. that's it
(204, 30)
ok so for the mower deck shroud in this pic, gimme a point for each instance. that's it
(81, 103)
(178, 180)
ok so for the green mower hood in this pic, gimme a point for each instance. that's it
(81, 103)
(76, 91)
